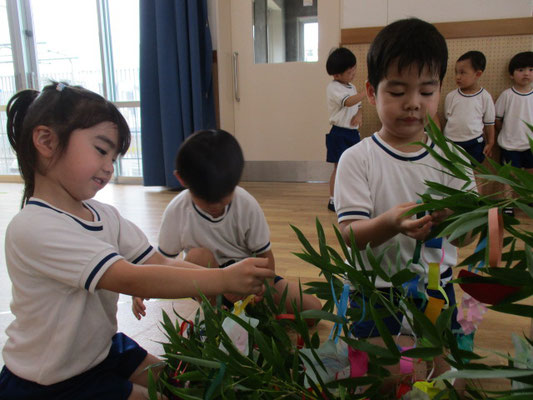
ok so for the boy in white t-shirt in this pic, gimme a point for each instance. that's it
(380, 178)
(344, 107)
(513, 107)
(469, 109)
(214, 221)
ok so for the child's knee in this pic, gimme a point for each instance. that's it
(308, 302)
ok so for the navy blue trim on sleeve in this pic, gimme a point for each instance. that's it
(97, 268)
(347, 213)
(148, 250)
(262, 249)
(167, 254)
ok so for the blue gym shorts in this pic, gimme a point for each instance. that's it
(339, 139)
(518, 159)
(109, 380)
(368, 329)
(474, 147)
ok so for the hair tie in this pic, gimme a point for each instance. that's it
(60, 86)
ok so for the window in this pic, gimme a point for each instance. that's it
(90, 43)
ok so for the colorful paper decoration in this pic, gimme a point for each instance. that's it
(470, 313)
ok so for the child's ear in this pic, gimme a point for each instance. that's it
(45, 141)
(179, 178)
(479, 73)
(370, 93)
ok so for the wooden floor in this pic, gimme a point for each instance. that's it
(299, 204)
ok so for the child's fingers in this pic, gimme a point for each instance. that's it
(264, 273)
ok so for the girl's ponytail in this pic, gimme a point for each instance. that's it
(21, 142)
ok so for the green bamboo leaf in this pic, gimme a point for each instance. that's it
(499, 179)
(422, 352)
(485, 374)
(471, 220)
(402, 276)
(522, 310)
(368, 347)
(324, 315)
(303, 240)
(525, 208)
(466, 227)
(429, 331)
(197, 361)
(383, 330)
(529, 260)
(375, 263)
(347, 254)
(444, 319)
(152, 391)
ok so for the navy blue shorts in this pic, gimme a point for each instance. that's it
(109, 380)
(368, 328)
(339, 139)
(225, 301)
(518, 159)
(474, 147)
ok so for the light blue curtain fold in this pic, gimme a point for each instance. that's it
(175, 82)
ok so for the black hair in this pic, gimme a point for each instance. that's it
(408, 42)
(521, 60)
(339, 60)
(477, 59)
(210, 162)
(63, 109)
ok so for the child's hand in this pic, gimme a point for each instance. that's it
(440, 215)
(357, 120)
(487, 150)
(138, 308)
(416, 228)
(247, 276)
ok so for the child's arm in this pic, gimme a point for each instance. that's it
(353, 100)
(137, 303)
(160, 259)
(357, 119)
(498, 125)
(378, 230)
(163, 281)
(489, 139)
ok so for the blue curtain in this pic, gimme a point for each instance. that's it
(175, 82)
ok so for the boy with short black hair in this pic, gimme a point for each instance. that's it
(214, 221)
(469, 110)
(513, 107)
(380, 178)
(344, 106)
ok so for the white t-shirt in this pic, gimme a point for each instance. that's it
(513, 108)
(467, 114)
(242, 231)
(336, 95)
(63, 326)
(373, 177)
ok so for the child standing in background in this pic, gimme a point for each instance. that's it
(214, 221)
(344, 106)
(513, 107)
(69, 256)
(469, 110)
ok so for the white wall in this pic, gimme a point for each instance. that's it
(364, 13)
